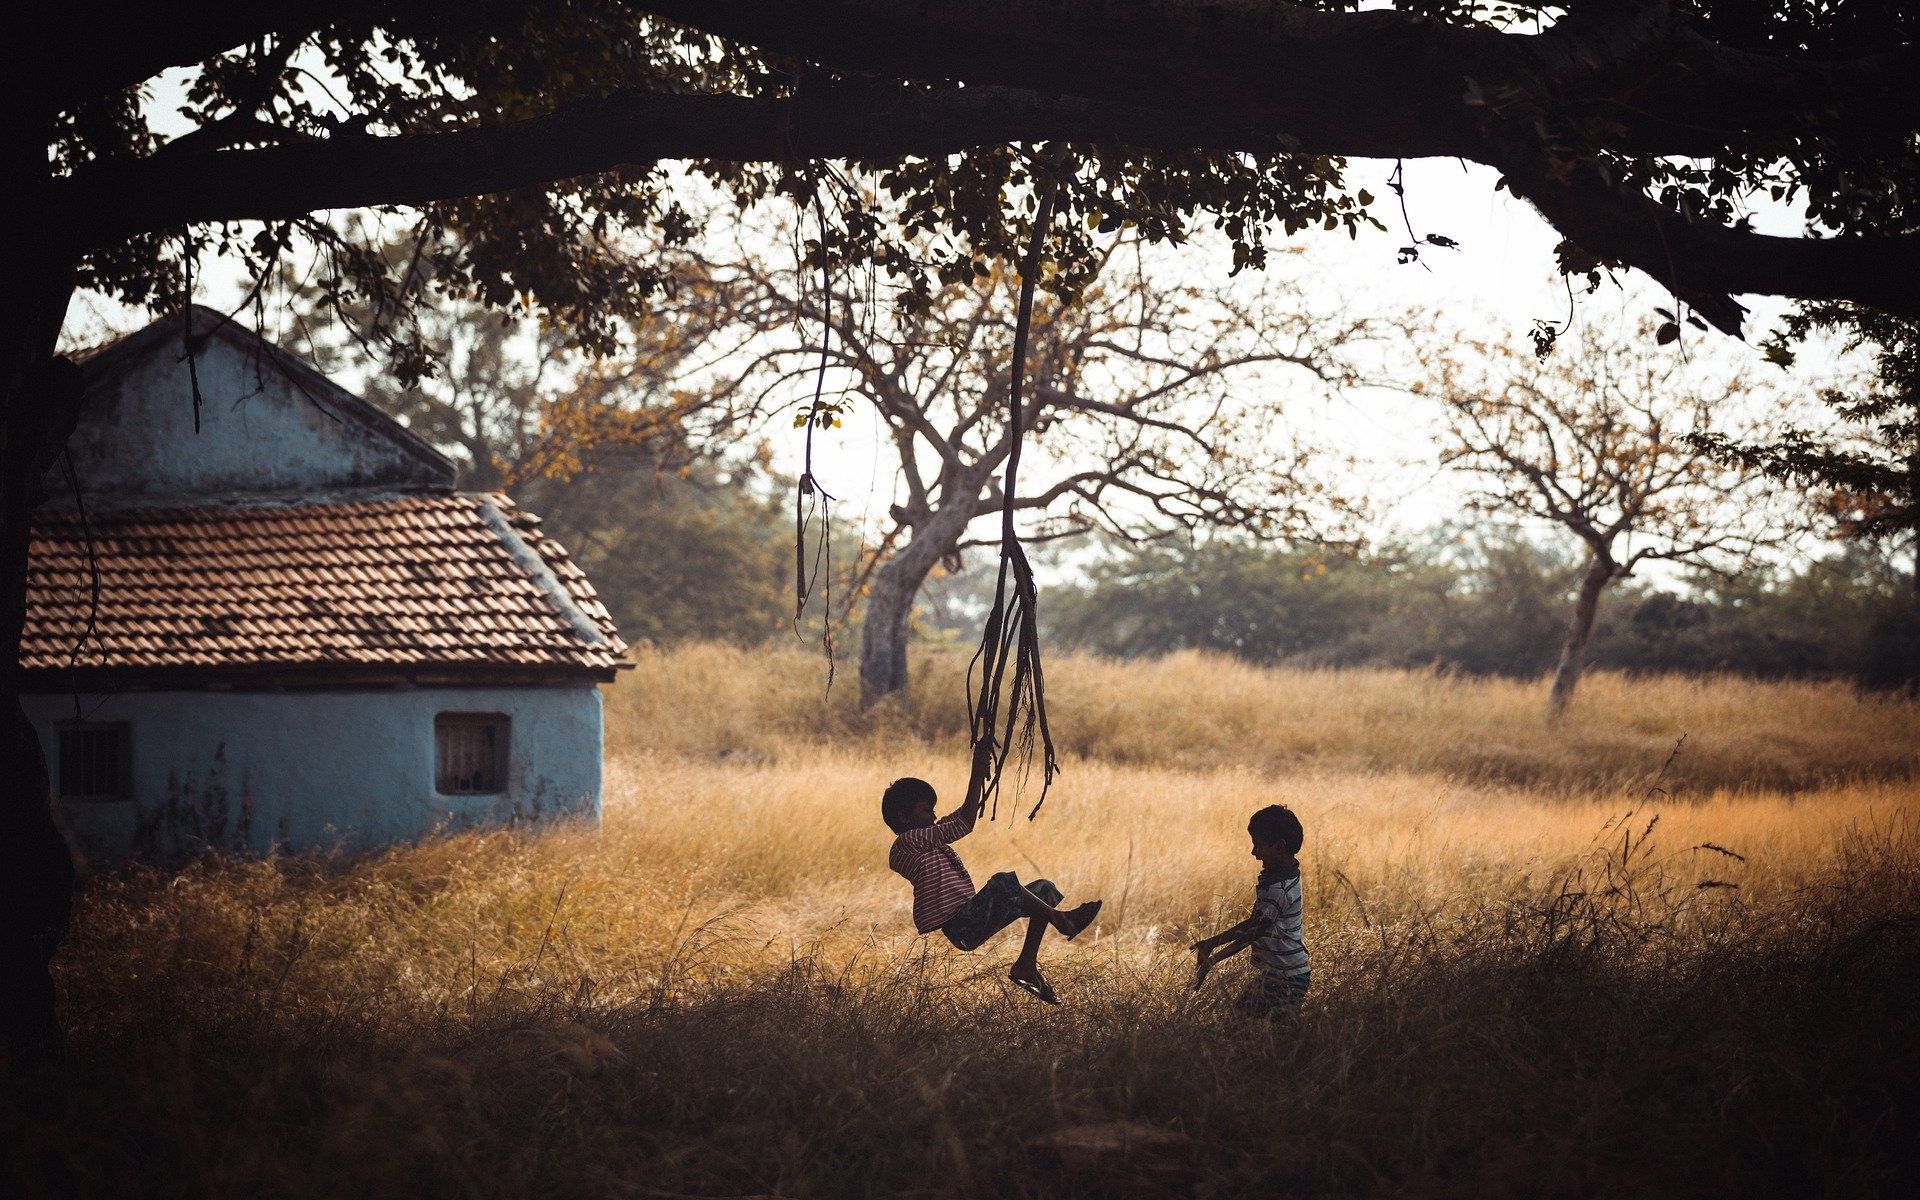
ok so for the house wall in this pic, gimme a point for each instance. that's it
(249, 771)
(267, 424)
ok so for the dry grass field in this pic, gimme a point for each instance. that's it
(1546, 962)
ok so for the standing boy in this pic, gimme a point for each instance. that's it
(1281, 976)
(943, 894)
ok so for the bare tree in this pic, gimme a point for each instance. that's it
(1154, 407)
(1596, 441)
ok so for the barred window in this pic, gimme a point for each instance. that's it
(95, 760)
(470, 753)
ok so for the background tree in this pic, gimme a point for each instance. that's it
(1595, 441)
(676, 524)
(1153, 409)
(1258, 601)
(1867, 464)
(1826, 619)
(1481, 600)
(690, 553)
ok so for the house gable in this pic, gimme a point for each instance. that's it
(269, 423)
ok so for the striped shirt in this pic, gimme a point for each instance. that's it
(1282, 949)
(940, 880)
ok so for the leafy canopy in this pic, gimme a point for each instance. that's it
(525, 143)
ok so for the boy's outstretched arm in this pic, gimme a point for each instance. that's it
(1225, 944)
(950, 828)
(959, 822)
(977, 778)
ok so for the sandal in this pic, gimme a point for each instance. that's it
(1080, 918)
(1036, 987)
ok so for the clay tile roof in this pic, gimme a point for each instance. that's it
(440, 580)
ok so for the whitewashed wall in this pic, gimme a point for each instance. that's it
(268, 424)
(253, 770)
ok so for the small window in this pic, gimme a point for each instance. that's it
(470, 754)
(95, 760)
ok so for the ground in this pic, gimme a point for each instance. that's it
(1547, 961)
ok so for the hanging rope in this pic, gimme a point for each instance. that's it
(809, 492)
(1007, 713)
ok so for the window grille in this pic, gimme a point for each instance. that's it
(470, 753)
(95, 760)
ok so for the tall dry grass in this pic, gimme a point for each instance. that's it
(1521, 986)
(1199, 711)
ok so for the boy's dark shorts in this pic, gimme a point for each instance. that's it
(1274, 995)
(993, 908)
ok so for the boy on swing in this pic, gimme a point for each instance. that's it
(944, 897)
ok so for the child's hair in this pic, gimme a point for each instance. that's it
(1276, 823)
(902, 797)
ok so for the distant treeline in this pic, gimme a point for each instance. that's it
(1490, 608)
(693, 555)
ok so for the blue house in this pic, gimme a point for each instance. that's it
(286, 628)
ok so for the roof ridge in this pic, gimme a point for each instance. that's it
(179, 502)
(536, 565)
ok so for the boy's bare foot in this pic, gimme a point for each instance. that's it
(1072, 923)
(1029, 980)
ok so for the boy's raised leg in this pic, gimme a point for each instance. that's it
(1069, 923)
(1040, 916)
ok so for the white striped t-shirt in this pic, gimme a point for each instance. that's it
(1282, 949)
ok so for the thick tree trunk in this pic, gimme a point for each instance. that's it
(1573, 654)
(39, 402)
(883, 632)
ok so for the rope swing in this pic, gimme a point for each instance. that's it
(1007, 713)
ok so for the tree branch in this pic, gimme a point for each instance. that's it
(1056, 398)
(118, 199)
(1316, 74)
(1705, 263)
